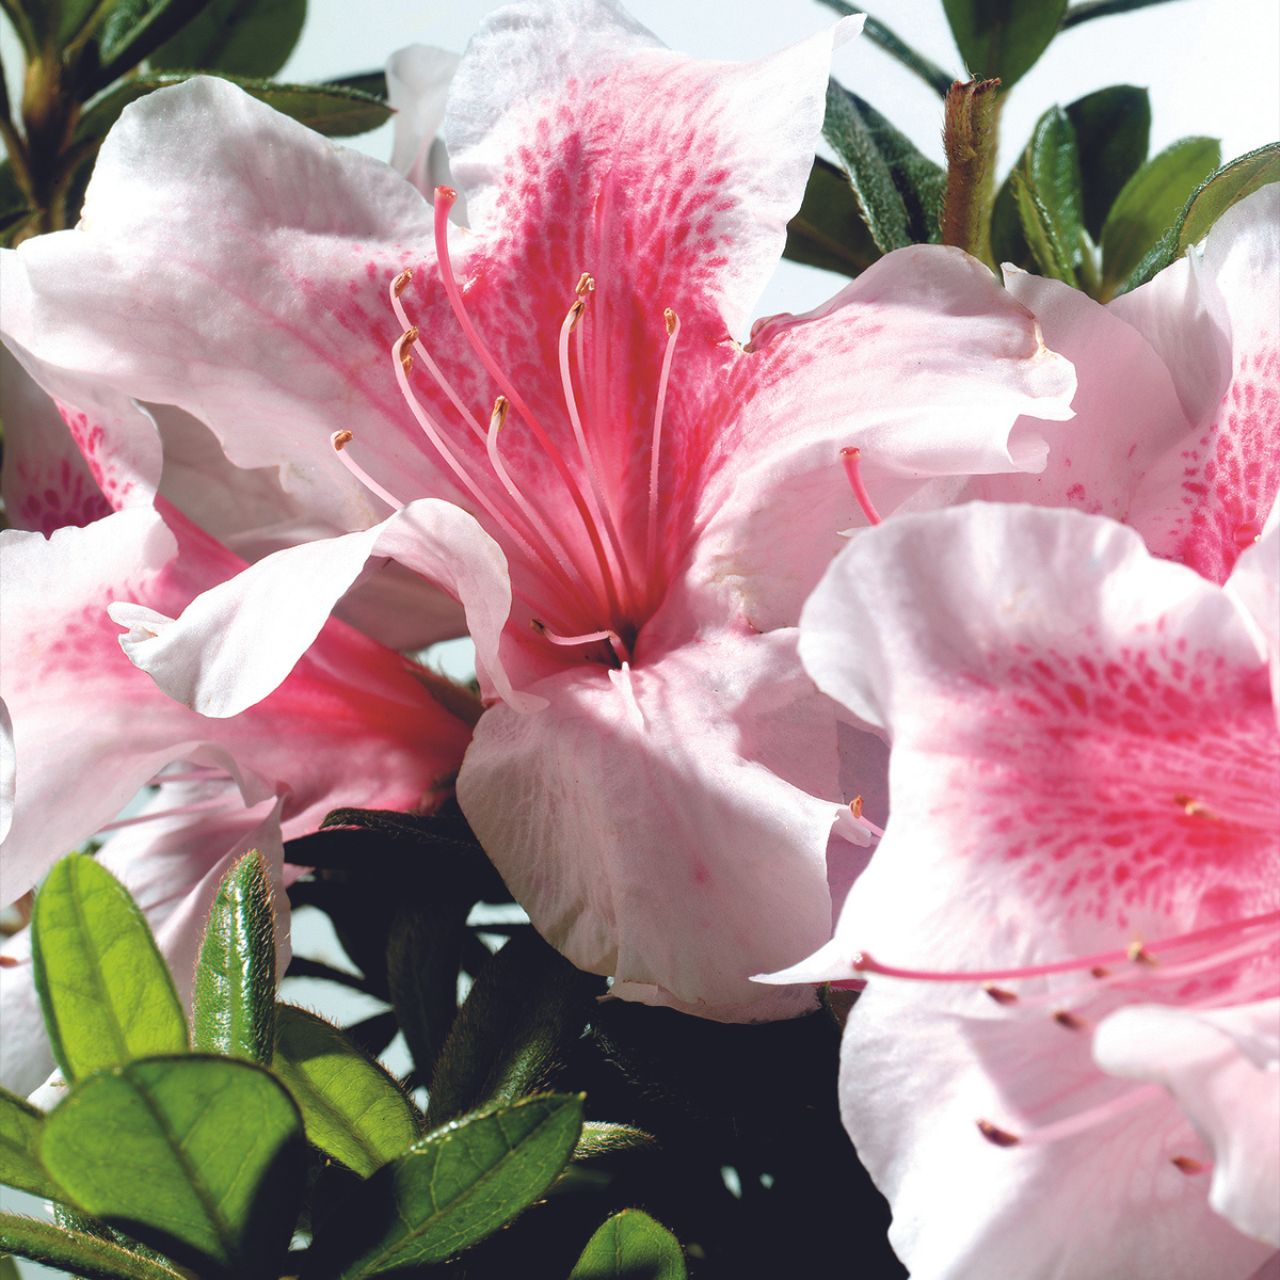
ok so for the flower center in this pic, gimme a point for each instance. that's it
(582, 583)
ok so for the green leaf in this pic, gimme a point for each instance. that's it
(1050, 253)
(526, 1010)
(1003, 38)
(876, 31)
(606, 1138)
(452, 1188)
(132, 29)
(1091, 9)
(15, 207)
(631, 1246)
(1047, 191)
(106, 992)
(234, 1005)
(1149, 206)
(899, 190)
(1113, 128)
(76, 1252)
(19, 1131)
(374, 83)
(9, 1269)
(245, 37)
(199, 1157)
(351, 1107)
(828, 231)
(1234, 181)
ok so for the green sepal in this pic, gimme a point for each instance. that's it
(19, 1138)
(607, 1138)
(245, 37)
(351, 1107)
(199, 1157)
(76, 1252)
(234, 1004)
(1113, 131)
(105, 990)
(1003, 38)
(828, 230)
(898, 189)
(450, 1190)
(526, 1010)
(1148, 209)
(631, 1246)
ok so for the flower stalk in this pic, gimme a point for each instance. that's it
(970, 137)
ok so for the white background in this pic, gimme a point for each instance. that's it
(1212, 67)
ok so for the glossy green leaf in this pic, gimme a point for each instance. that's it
(76, 1252)
(828, 231)
(106, 992)
(1047, 191)
(876, 31)
(1113, 129)
(453, 1188)
(200, 1157)
(245, 37)
(631, 1246)
(526, 1010)
(1149, 206)
(234, 1005)
(351, 1107)
(1051, 255)
(1003, 38)
(19, 1131)
(329, 109)
(1234, 181)
(899, 190)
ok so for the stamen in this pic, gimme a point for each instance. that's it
(408, 338)
(340, 440)
(8, 962)
(586, 284)
(156, 815)
(1185, 1164)
(672, 322)
(1074, 1125)
(591, 637)
(1071, 1021)
(401, 283)
(444, 201)
(855, 806)
(1193, 808)
(1001, 995)
(997, 1137)
(850, 458)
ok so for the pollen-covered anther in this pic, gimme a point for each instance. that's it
(670, 319)
(575, 313)
(1138, 953)
(586, 284)
(401, 282)
(996, 1136)
(1192, 807)
(498, 418)
(1001, 995)
(340, 439)
(8, 962)
(855, 806)
(1100, 971)
(407, 339)
(1187, 1165)
(1071, 1021)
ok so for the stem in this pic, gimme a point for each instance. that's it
(1102, 9)
(933, 75)
(970, 137)
(15, 147)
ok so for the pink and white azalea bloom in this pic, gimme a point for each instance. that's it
(630, 505)
(1070, 931)
(1177, 427)
(87, 730)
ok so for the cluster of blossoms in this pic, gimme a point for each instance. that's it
(1010, 557)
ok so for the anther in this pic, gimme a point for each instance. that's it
(586, 284)
(1065, 1018)
(1100, 971)
(1192, 807)
(1138, 953)
(669, 319)
(407, 339)
(997, 1137)
(498, 418)
(8, 962)
(855, 806)
(575, 314)
(401, 282)
(1185, 1164)
(340, 439)
(850, 457)
(1001, 995)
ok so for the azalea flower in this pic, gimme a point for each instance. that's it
(351, 725)
(630, 505)
(1066, 1061)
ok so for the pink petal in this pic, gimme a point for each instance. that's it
(1255, 584)
(924, 363)
(660, 825)
(1222, 1069)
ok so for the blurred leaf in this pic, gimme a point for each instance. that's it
(373, 1034)
(234, 1006)
(1003, 38)
(77, 1253)
(335, 112)
(1240, 178)
(245, 37)
(453, 1188)
(302, 967)
(605, 1138)
(105, 990)
(631, 1246)
(132, 29)
(876, 31)
(1148, 207)
(1112, 128)
(200, 1157)
(898, 189)
(1091, 9)
(374, 83)
(526, 1010)
(15, 207)
(1047, 191)
(351, 1107)
(8, 1268)
(828, 231)
(19, 1131)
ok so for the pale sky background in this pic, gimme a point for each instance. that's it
(1212, 67)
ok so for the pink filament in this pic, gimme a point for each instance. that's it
(590, 637)
(359, 472)
(651, 544)
(850, 459)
